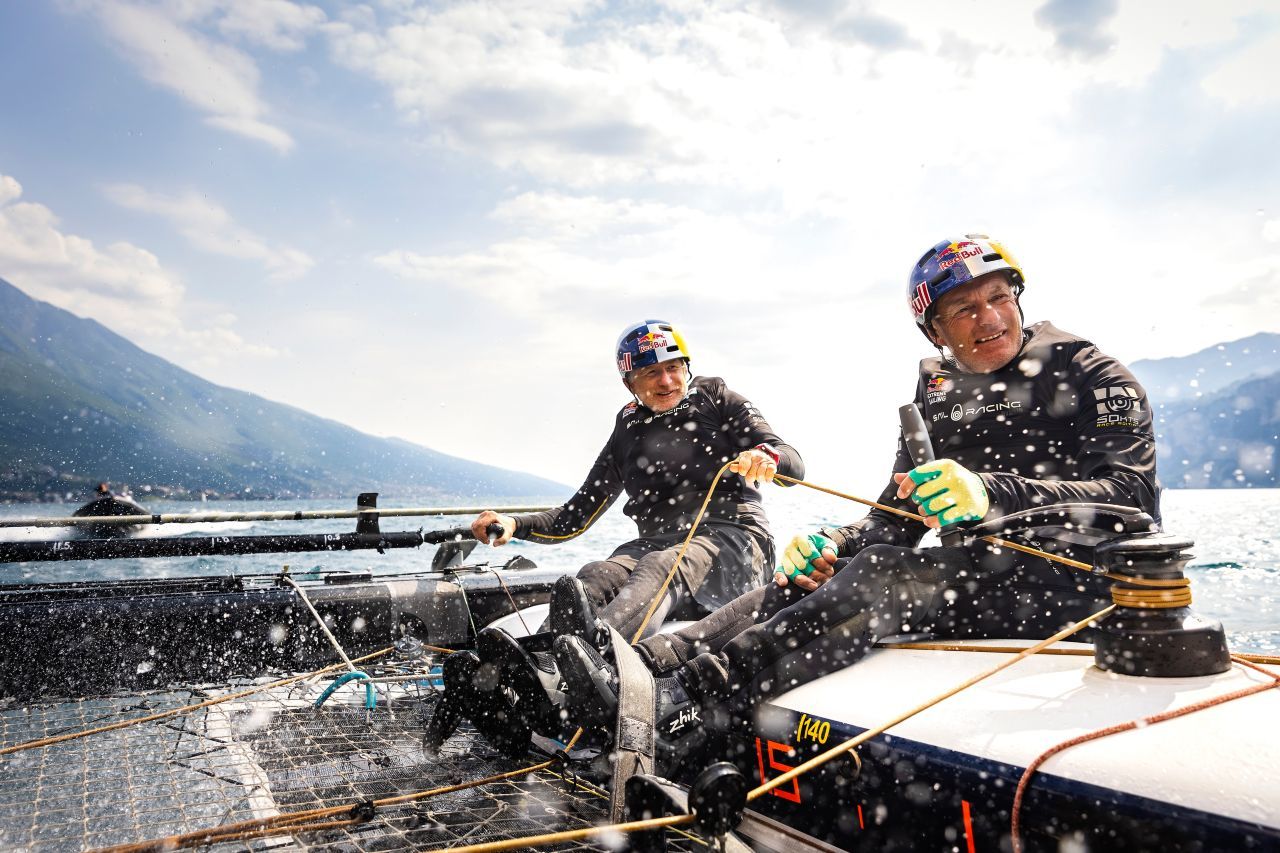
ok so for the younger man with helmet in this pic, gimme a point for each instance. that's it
(665, 450)
(1019, 418)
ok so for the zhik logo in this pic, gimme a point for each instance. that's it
(686, 717)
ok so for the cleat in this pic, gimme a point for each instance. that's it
(574, 614)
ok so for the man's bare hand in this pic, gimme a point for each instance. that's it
(755, 466)
(479, 527)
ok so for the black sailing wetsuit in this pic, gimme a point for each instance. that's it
(665, 463)
(1062, 423)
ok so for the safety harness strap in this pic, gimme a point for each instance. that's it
(634, 736)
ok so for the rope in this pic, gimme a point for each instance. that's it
(290, 822)
(955, 647)
(333, 641)
(515, 608)
(164, 715)
(662, 592)
(1241, 657)
(1153, 598)
(1005, 543)
(1024, 783)
(819, 760)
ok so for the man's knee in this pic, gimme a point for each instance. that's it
(602, 580)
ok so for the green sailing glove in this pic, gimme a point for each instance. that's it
(801, 551)
(949, 491)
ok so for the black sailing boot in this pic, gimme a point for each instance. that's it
(593, 688)
(473, 691)
(531, 690)
(574, 614)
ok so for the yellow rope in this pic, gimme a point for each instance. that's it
(653, 605)
(278, 824)
(1004, 543)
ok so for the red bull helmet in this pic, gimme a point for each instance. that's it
(649, 342)
(952, 263)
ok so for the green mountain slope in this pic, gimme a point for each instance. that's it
(79, 403)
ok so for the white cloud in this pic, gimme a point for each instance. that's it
(209, 226)
(276, 24)
(10, 189)
(1249, 76)
(736, 98)
(121, 285)
(569, 248)
(216, 79)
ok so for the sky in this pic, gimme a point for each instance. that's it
(431, 221)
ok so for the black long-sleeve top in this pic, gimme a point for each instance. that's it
(1062, 423)
(665, 463)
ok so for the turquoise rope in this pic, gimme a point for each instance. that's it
(369, 701)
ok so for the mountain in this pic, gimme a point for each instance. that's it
(1217, 414)
(79, 404)
(1212, 369)
(1227, 439)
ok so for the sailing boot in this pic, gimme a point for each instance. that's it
(593, 688)
(531, 688)
(458, 673)
(473, 691)
(574, 614)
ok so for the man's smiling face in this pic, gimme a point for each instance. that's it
(660, 386)
(980, 323)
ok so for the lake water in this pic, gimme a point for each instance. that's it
(1235, 575)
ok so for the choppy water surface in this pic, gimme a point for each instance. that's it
(1235, 574)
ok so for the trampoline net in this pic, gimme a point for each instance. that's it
(267, 754)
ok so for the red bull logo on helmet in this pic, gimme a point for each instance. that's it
(651, 341)
(922, 299)
(957, 252)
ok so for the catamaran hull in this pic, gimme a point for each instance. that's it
(85, 639)
(945, 780)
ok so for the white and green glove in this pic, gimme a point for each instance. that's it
(949, 491)
(801, 551)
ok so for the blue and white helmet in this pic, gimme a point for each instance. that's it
(649, 342)
(952, 263)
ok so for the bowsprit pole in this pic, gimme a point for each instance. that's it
(278, 515)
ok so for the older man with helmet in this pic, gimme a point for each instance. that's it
(1019, 418)
(666, 448)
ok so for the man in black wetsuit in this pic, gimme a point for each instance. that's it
(666, 448)
(1019, 418)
